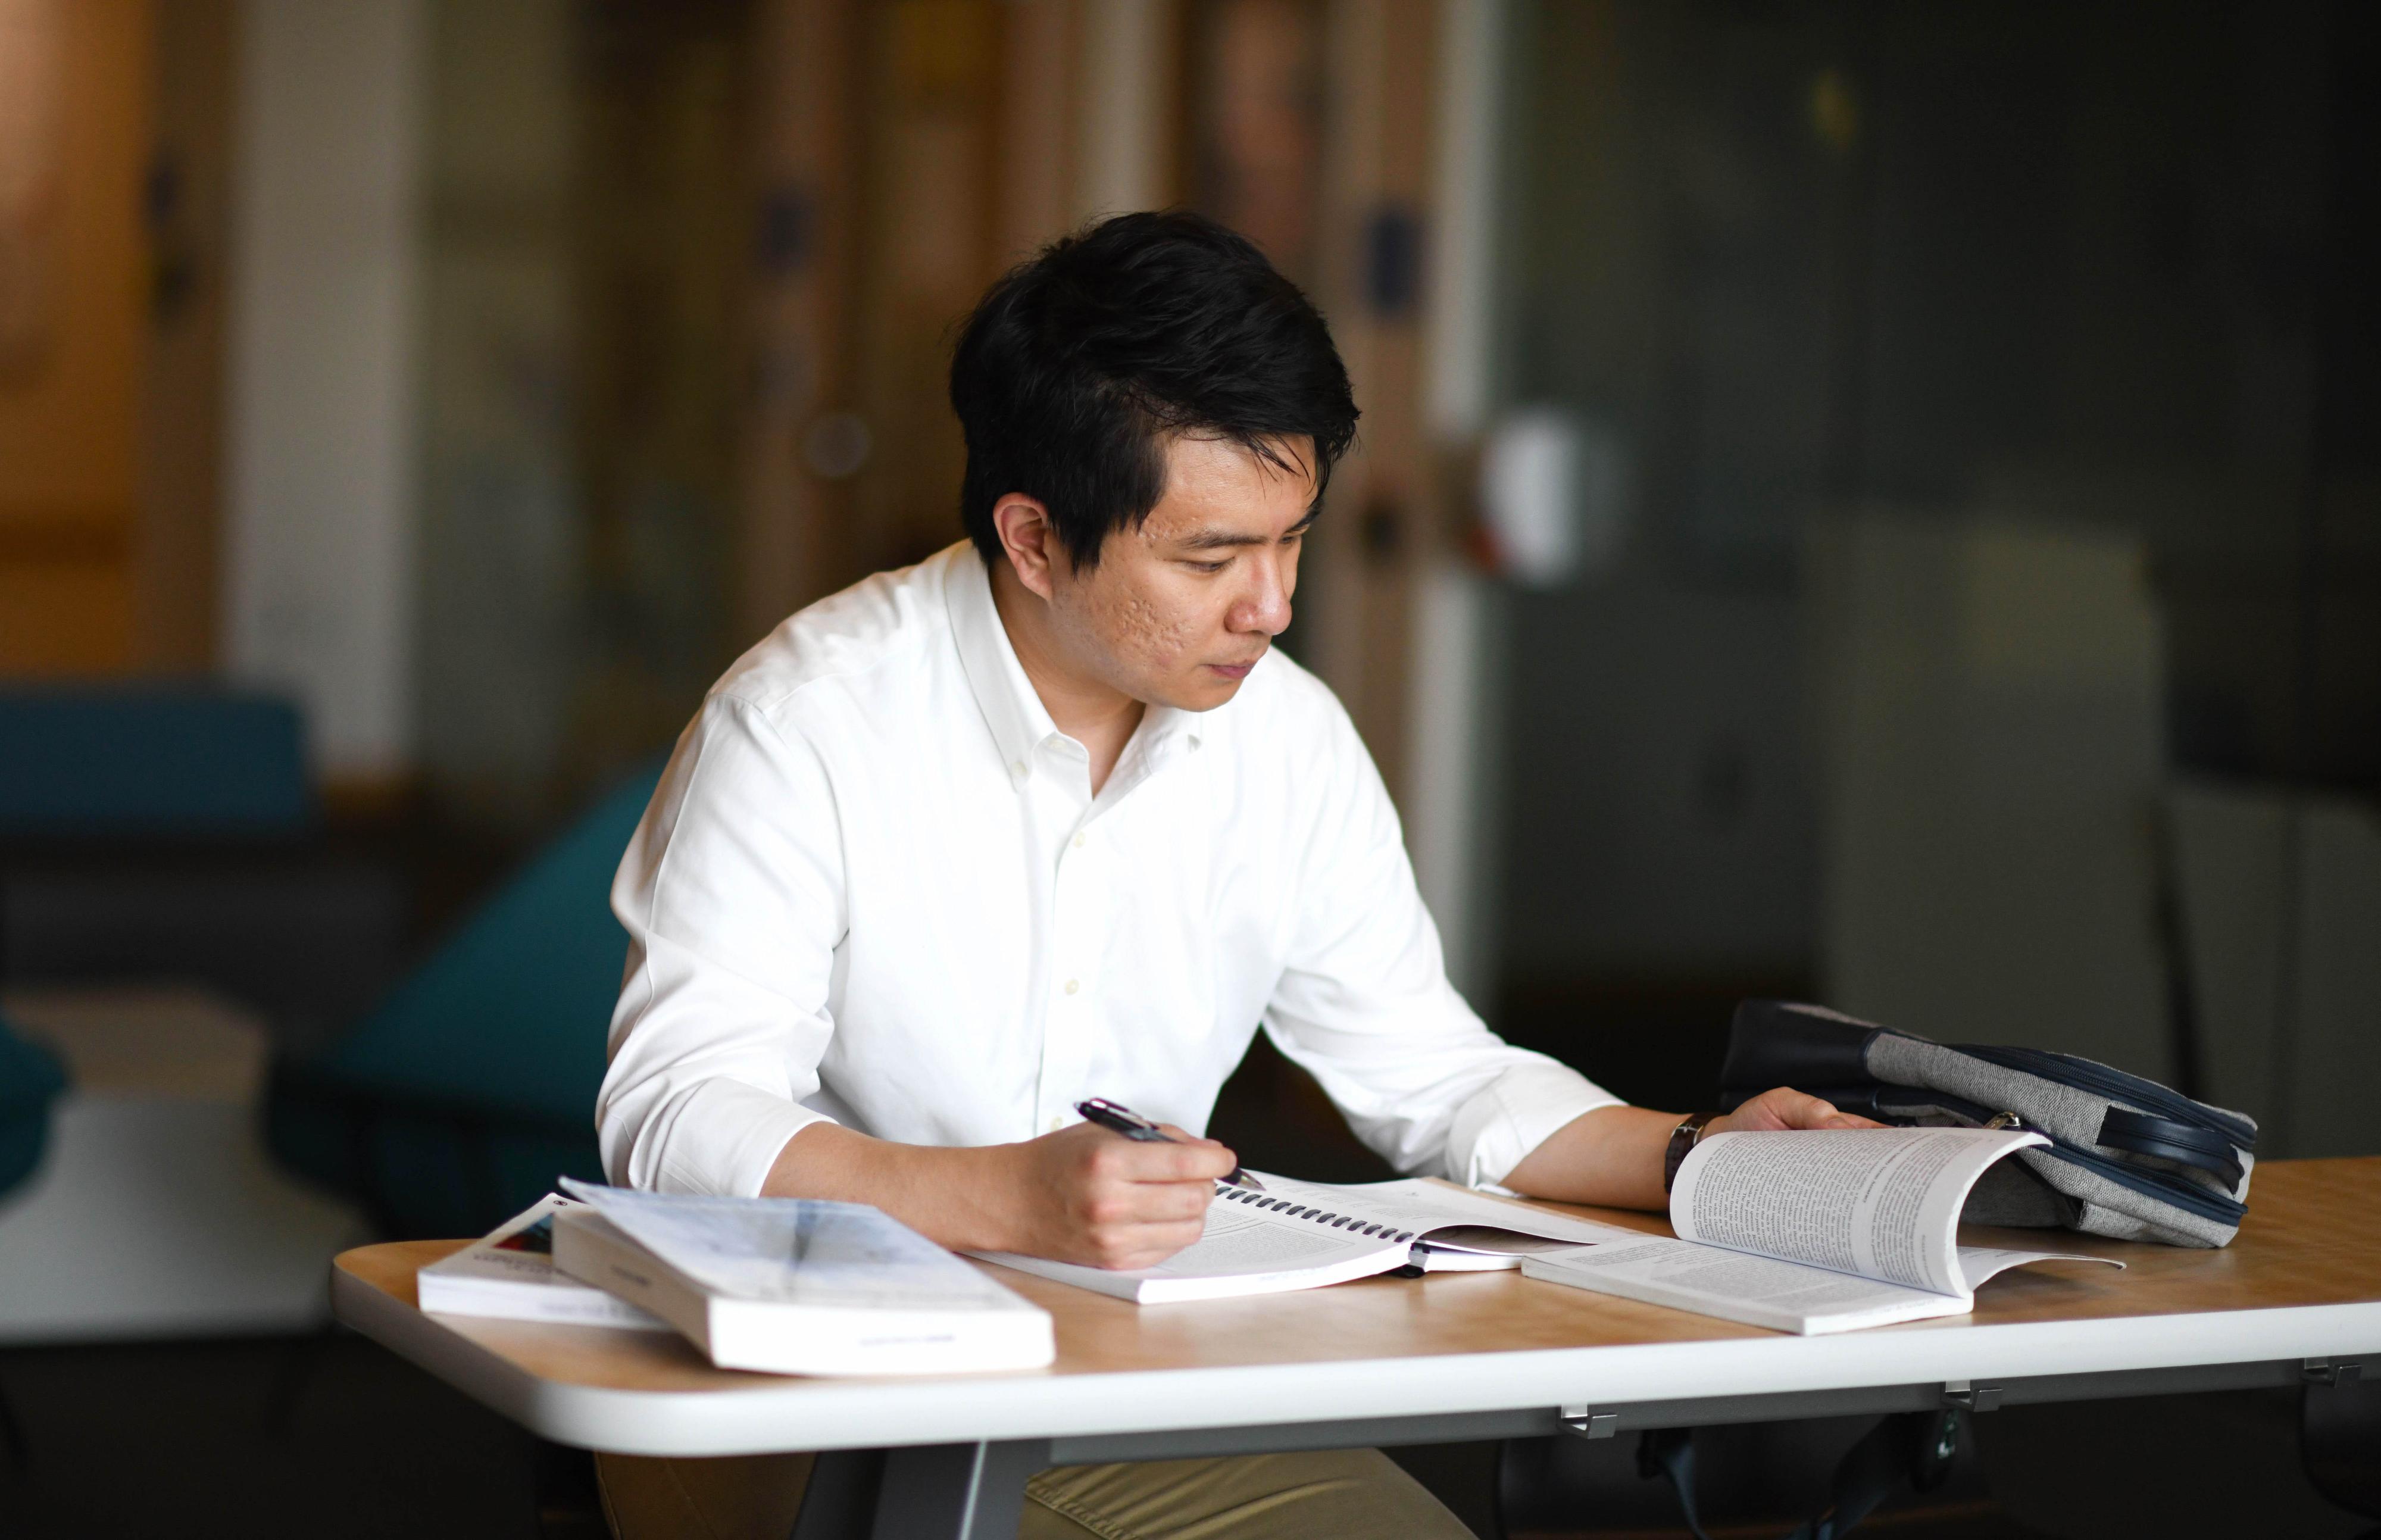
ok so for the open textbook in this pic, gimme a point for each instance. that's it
(1305, 1234)
(1820, 1232)
(798, 1286)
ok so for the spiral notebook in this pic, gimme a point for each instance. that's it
(1305, 1235)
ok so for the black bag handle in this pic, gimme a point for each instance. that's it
(2200, 1149)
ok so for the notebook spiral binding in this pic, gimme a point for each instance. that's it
(1303, 1211)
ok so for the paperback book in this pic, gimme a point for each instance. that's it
(796, 1286)
(1814, 1232)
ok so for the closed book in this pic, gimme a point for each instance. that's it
(510, 1272)
(799, 1286)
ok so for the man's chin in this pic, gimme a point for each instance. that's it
(1204, 691)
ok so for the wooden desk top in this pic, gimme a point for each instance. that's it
(2303, 1279)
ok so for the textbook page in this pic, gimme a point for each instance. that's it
(1758, 1290)
(1883, 1203)
(1813, 1231)
(1305, 1235)
(1446, 1216)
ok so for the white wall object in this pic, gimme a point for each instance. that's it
(1459, 321)
(1455, 729)
(1128, 106)
(1453, 734)
(319, 501)
(2281, 902)
(1553, 495)
(1990, 725)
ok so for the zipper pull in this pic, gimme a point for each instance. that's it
(2001, 1120)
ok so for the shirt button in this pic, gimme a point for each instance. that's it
(1071, 986)
(1018, 768)
(1057, 1121)
(1079, 842)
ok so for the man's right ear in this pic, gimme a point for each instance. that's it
(1024, 525)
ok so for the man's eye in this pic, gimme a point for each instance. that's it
(1209, 565)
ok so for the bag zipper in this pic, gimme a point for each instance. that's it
(2187, 1195)
(2116, 1085)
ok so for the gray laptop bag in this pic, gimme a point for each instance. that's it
(2127, 1157)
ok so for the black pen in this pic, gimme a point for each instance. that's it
(1132, 1125)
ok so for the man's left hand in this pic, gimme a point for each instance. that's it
(1786, 1108)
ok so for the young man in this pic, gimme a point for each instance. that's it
(1045, 818)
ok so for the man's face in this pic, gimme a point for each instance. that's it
(1178, 611)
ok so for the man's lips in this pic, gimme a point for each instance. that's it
(1234, 670)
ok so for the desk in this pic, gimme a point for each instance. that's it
(1392, 1361)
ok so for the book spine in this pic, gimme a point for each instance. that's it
(585, 1250)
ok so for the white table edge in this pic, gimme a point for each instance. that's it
(875, 1413)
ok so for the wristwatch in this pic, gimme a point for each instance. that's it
(1683, 1138)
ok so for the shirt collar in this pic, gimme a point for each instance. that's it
(1021, 724)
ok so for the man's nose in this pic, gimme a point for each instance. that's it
(1264, 607)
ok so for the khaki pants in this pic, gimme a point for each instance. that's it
(1339, 1493)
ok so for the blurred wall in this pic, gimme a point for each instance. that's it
(2003, 275)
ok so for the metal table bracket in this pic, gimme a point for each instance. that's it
(2323, 1371)
(1967, 1396)
(1588, 1422)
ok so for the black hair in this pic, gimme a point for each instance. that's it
(1080, 365)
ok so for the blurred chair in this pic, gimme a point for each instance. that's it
(456, 1103)
(168, 834)
(1918, 1472)
(30, 1080)
(132, 762)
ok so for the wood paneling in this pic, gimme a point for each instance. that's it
(177, 531)
(794, 526)
(69, 404)
(1378, 64)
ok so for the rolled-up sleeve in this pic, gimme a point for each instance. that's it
(732, 895)
(1364, 1005)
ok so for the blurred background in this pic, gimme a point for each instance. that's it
(1864, 502)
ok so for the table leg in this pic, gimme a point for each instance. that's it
(957, 1491)
(839, 1499)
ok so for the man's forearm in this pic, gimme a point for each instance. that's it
(1080, 1195)
(951, 1196)
(1611, 1157)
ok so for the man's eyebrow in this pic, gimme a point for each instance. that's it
(1218, 540)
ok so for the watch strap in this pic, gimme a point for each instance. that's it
(1683, 1139)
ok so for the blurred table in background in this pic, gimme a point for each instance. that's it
(154, 1212)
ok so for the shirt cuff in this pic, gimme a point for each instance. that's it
(1514, 1114)
(726, 1137)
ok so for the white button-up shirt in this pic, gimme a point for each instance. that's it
(875, 886)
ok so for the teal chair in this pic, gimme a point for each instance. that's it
(185, 762)
(456, 1103)
(30, 1080)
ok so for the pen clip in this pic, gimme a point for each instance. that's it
(1114, 1114)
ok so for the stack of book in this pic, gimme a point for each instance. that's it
(783, 1285)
